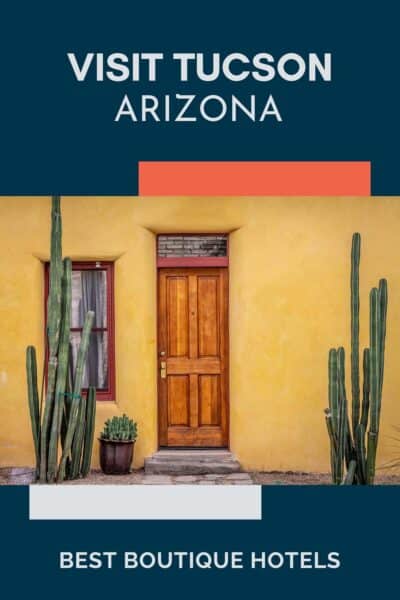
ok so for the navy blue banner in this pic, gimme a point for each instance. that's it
(360, 524)
(59, 134)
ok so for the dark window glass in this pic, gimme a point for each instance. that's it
(170, 246)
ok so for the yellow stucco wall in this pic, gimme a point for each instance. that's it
(289, 302)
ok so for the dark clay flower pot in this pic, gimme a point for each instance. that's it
(116, 457)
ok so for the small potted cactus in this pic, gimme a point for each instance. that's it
(117, 441)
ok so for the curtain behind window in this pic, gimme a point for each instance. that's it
(89, 292)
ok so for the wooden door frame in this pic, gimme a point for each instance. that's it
(193, 263)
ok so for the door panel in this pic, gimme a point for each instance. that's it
(178, 387)
(177, 315)
(208, 325)
(209, 399)
(193, 357)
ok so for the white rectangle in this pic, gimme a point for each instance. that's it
(92, 502)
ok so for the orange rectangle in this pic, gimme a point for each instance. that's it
(299, 178)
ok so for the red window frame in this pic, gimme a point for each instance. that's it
(108, 267)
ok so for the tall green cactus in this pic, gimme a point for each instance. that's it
(60, 418)
(76, 415)
(53, 329)
(63, 352)
(33, 399)
(348, 445)
(89, 431)
(355, 329)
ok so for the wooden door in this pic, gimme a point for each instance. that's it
(193, 357)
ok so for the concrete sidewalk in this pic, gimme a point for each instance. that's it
(24, 476)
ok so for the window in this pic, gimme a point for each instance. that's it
(171, 246)
(192, 250)
(93, 289)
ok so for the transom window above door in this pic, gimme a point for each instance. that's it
(192, 249)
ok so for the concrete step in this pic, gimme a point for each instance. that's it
(191, 462)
